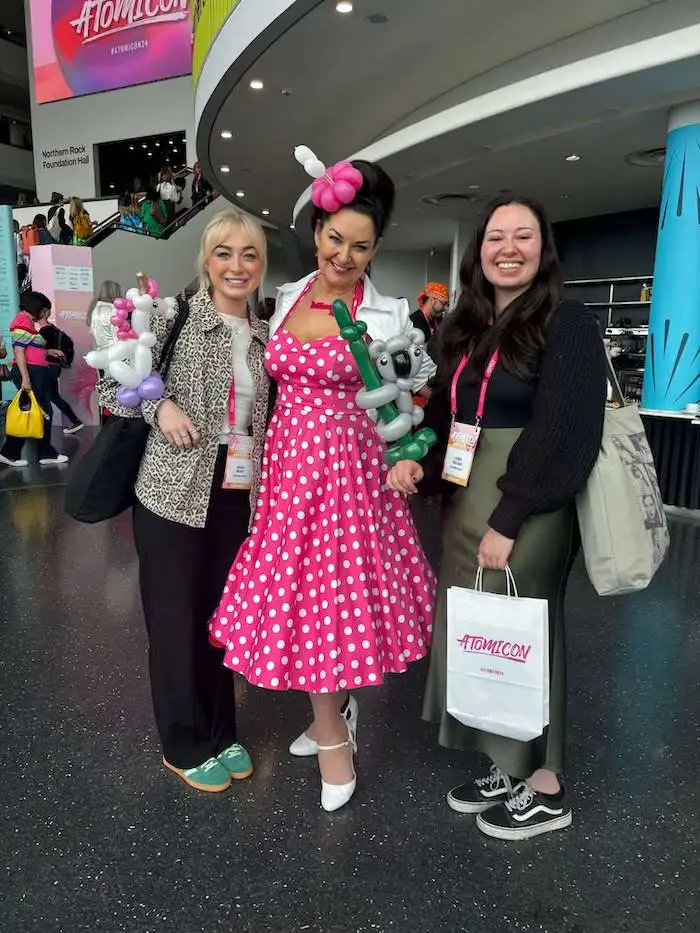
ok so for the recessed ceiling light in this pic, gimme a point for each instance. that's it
(150, 153)
(265, 212)
(144, 146)
(344, 7)
(158, 144)
(131, 147)
(292, 227)
(256, 84)
(112, 186)
(240, 194)
(573, 157)
(226, 134)
(474, 187)
(225, 168)
(170, 142)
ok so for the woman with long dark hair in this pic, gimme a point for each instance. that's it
(528, 367)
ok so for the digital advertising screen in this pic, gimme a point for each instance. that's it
(86, 46)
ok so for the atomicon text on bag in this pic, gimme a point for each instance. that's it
(499, 648)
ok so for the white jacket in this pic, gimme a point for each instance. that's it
(103, 331)
(385, 317)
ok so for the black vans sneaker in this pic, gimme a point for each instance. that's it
(527, 814)
(482, 793)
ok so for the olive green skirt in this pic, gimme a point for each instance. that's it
(541, 562)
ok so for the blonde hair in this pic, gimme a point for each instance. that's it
(218, 229)
(75, 208)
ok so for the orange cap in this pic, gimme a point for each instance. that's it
(434, 290)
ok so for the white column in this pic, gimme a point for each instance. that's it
(460, 238)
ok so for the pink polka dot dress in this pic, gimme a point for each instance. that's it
(332, 589)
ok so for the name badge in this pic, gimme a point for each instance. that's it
(239, 468)
(459, 457)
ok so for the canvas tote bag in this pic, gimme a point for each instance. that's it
(624, 533)
(498, 660)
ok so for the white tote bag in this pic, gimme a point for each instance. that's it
(498, 661)
(624, 534)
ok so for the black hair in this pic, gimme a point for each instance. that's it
(152, 195)
(34, 303)
(39, 220)
(375, 198)
(52, 211)
(520, 330)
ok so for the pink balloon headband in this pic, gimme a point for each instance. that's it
(332, 187)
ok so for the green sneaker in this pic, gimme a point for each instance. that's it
(211, 776)
(237, 762)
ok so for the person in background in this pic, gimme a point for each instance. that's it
(65, 237)
(100, 313)
(45, 238)
(529, 366)
(57, 340)
(170, 194)
(53, 225)
(154, 213)
(432, 304)
(80, 221)
(201, 189)
(30, 372)
(192, 511)
(17, 234)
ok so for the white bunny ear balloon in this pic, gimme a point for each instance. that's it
(312, 164)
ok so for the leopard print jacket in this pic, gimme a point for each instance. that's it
(176, 484)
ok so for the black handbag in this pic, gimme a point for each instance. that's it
(102, 486)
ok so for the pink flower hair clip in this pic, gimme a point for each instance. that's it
(332, 187)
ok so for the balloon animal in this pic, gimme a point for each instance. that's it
(130, 360)
(387, 369)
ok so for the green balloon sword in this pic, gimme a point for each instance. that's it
(387, 369)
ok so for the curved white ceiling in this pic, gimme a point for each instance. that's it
(447, 94)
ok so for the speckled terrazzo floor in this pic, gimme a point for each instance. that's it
(95, 835)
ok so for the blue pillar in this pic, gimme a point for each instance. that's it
(672, 374)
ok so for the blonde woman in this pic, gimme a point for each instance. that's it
(80, 222)
(199, 474)
(100, 313)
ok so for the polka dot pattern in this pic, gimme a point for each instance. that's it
(332, 589)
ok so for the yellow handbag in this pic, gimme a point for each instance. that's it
(25, 416)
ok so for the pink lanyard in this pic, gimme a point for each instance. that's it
(357, 299)
(431, 323)
(484, 385)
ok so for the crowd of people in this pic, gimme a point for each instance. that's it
(151, 209)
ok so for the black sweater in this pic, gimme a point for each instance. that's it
(561, 414)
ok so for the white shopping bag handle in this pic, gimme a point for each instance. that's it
(512, 589)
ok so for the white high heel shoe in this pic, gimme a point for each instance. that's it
(303, 746)
(335, 796)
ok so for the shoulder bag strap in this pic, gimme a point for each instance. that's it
(617, 395)
(172, 338)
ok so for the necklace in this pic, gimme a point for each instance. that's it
(357, 297)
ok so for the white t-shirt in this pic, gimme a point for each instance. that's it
(242, 380)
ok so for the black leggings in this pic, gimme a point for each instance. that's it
(57, 398)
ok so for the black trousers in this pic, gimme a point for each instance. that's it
(57, 399)
(183, 574)
(41, 378)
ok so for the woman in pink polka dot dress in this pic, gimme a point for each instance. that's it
(331, 590)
